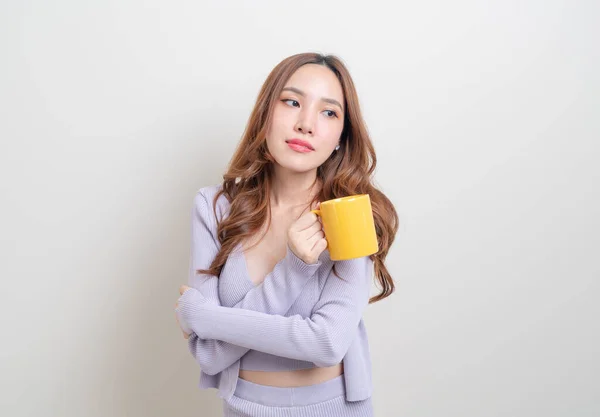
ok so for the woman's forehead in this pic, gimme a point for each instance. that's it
(317, 81)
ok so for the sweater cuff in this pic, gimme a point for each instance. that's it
(299, 265)
(188, 308)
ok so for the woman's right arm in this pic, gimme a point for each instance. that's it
(275, 295)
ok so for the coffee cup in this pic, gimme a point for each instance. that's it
(349, 227)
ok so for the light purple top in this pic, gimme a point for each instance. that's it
(300, 316)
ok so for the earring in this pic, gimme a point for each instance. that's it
(337, 147)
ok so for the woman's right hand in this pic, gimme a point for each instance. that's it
(306, 238)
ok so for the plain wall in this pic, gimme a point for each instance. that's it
(485, 120)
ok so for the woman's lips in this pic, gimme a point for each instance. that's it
(299, 145)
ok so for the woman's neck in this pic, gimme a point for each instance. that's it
(290, 189)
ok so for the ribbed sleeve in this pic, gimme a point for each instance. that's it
(275, 295)
(323, 338)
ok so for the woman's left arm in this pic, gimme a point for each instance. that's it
(323, 338)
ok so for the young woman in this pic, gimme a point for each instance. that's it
(276, 325)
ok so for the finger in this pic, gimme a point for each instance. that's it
(311, 231)
(183, 289)
(305, 221)
(320, 246)
(315, 238)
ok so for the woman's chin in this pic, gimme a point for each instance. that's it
(296, 167)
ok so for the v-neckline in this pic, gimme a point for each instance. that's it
(239, 250)
(240, 253)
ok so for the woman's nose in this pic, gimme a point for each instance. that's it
(305, 124)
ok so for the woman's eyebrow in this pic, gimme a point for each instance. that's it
(325, 99)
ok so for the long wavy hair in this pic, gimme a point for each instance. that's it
(348, 171)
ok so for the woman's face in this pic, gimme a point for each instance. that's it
(308, 119)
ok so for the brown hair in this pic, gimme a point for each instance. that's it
(348, 171)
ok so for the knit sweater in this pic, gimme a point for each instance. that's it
(301, 315)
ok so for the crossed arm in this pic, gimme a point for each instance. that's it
(223, 334)
(275, 295)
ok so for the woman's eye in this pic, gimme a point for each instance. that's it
(291, 102)
(330, 113)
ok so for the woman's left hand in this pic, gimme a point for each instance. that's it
(182, 289)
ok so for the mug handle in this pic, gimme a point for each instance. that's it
(317, 212)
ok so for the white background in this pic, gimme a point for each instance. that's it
(485, 119)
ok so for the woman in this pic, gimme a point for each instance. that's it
(276, 325)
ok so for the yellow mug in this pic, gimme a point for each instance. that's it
(349, 227)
